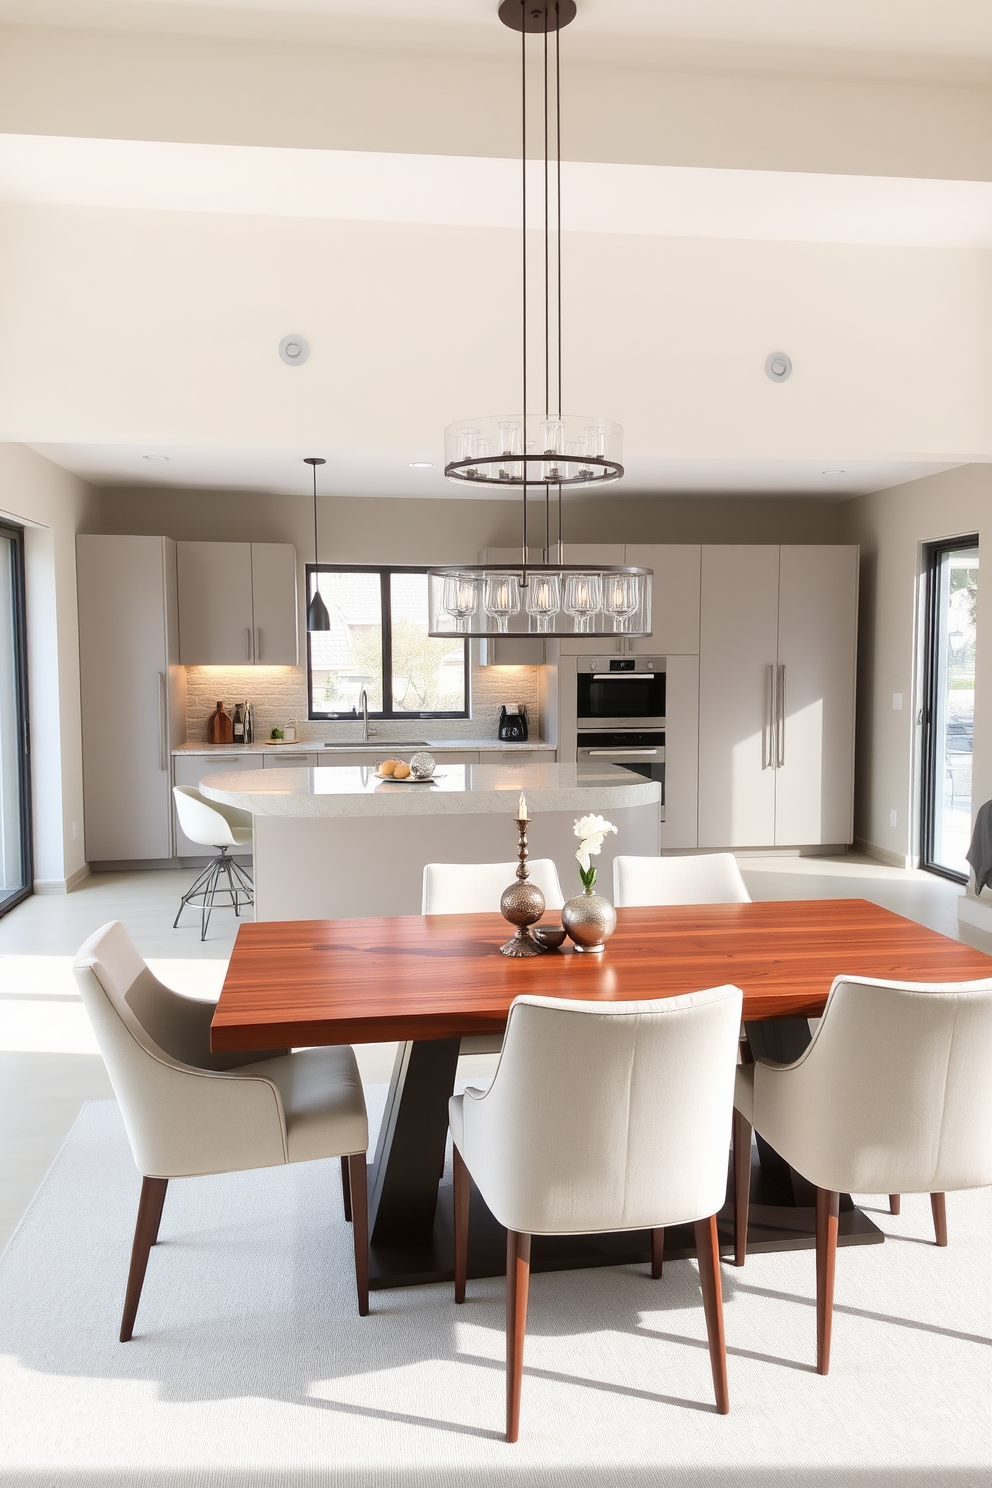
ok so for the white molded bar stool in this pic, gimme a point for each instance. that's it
(893, 1095)
(214, 825)
(698, 878)
(190, 1112)
(476, 888)
(602, 1117)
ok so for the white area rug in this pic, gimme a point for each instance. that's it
(251, 1369)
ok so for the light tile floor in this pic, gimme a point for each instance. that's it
(49, 1062)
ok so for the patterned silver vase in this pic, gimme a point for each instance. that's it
(590, 920)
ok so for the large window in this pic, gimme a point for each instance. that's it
(378, 640)
(949, 705)
(15, 784)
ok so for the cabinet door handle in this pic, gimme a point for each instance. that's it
(247, 643)
(780, 728)
(163, 714)
(258, 645)
(768, 732)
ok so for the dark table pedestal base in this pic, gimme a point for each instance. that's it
(771, 1226)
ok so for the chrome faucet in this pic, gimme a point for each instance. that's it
(363, 703)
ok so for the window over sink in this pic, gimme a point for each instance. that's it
(378, 641)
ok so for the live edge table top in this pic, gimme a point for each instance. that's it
(302, 982)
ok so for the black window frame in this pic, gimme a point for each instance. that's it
(16, 535)
(933, 554)
(385, 572)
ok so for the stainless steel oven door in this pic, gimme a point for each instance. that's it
(641, 755)
(617, 700)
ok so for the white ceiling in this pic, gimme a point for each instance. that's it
(463, 191)
(363, 473)
(922, 38)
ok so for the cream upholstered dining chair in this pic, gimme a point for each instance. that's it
(189, 1112)
(602, 1117)
(698, 878)
(476, 888)
(211, 824)
(892, 1095)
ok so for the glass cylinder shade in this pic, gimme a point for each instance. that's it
(461, 598)
(501, 598)
(508, 449)
(621, 598)
(541, 599)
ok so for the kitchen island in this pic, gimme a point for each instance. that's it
(337, 842)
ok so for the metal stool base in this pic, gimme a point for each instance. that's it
(239, 889)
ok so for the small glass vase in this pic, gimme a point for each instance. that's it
(590, 920)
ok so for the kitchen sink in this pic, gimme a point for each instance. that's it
(380, 744)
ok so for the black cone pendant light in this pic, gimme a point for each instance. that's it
(317, 616)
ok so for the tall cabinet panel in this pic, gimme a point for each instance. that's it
(738, 653)
(674, 597)
(275, 613)
(818, 622)
(132, 693)
(215, 603)
(679, 829)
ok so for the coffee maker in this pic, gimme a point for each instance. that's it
(512, 727)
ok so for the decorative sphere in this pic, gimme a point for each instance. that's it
(422, 766)
(522, 903)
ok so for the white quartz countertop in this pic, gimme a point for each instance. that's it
(455, 790)
(381, 748)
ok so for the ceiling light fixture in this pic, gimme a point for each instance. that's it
(317, 616)
(835, 472)
(421, 464)
(156, 459)
(552, 450)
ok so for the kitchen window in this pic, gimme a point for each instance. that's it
(378, 641)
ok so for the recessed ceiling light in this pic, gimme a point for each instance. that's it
(421, 464)
(835, 472)
(157, 458)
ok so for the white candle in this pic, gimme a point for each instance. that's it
(522, 808)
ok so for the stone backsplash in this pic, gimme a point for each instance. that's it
(280, 695)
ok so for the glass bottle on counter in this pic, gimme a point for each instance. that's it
(239, 723)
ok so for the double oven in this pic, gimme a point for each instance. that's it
(620, 714)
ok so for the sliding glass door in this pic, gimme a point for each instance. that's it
(15, 784)
(949, 705)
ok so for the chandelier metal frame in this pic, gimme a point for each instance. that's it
(567, 450)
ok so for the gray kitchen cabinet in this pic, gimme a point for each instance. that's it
(776, 695)
(237, 604)
(679, 828)
(674, 597)
(275, 613)
(132, 694)
(189, 769)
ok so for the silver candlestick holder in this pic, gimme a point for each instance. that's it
(522, 903)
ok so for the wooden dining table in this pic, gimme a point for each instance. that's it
(427, 981)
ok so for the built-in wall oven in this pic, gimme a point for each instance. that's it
(620, 692)
(621, 714)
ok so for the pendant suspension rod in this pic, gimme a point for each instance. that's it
(558, 191)
(316, 550)
(523, 175)
(547, 236)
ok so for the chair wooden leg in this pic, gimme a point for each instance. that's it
(657, 1252)
(462, 1193)
(895, 1203)
(517, 1288)
(742, 1185)
(708, 1252)
(346, 1189)
(938, 1205)
(827, 1211)
(145, 1235)
(358, 1184)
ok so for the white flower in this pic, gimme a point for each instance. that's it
(593, 831)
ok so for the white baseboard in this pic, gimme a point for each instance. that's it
(975, 912)
(882, 854)
(62, 885)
